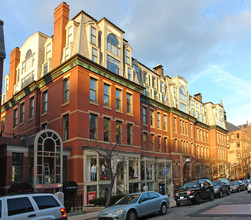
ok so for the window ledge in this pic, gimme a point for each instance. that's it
(21, 123)
(107, 107)
(129, 114)
(43, 114)
(93, 103)
(119, 111)
(30, 119)
(66, 103)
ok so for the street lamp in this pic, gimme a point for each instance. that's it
(188, 162)
(235, 170)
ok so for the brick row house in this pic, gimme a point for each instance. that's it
(239, 150)
(81, 86)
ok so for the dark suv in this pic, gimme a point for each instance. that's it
(194, 191)
(221, 187)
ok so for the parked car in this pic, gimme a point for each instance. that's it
(249, 187)
(246, 182)
(31, 206)
(194, 191)
(221, 187)
(237, 186)
(136, 205)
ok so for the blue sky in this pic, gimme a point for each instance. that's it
(208, 42)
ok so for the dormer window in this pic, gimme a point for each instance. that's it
(127, 57)
(93, 35)
(48, 52)
(70, 36)
(94, 55)
(28, 54)
(113, 44)
(28, 63)
(182, 94)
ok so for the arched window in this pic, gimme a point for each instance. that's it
(28, 63)
(48, 158)
(182, 94)
(28, 54)
(113, 44)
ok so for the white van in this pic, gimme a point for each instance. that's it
(31, 206)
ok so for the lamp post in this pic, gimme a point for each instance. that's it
(188, 162)
(235, 170)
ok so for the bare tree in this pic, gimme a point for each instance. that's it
(112, 153)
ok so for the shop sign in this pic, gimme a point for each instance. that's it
(90, 196)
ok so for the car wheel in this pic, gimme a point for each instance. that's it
(248, 191)
(211, 196)
(197, 199)
(131, 215)
(228, 192)
(220, 194)
(163, 209)
(177, 204)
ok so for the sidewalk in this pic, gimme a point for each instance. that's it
(91, 212)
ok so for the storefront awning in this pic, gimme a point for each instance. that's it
(70, 186)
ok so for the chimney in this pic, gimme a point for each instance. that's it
(158, 69)
(198, 97)
(2, 57)
(61, 18)
(14, 61)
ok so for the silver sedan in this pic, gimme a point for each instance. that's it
(135, 205)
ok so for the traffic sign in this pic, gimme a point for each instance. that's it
(165, 170)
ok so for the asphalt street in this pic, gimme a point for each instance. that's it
(235, 206)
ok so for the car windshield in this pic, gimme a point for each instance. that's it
(233, 183)
(128, 199)
(190, 185)
(217, 183)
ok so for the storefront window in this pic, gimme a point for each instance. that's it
(150, 186)
(17, 167)
(149, 171)
(142, 170)
(103, 170)
(91, 193)
(161, 170)
(133, 170)
(103, 190)
(91, 169)
(133, 187)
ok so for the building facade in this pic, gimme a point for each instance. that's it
(83, 87)
(239, 148)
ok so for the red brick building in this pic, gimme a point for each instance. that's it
(82, 85)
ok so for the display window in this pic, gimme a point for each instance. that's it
(103, 171)
(160, 172)
(133, 170)
(91, 169)
(149, 171)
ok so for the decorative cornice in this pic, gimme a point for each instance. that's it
(216, 127)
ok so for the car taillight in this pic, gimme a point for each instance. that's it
(63, 212)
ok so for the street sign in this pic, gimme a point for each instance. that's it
(165, 170)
